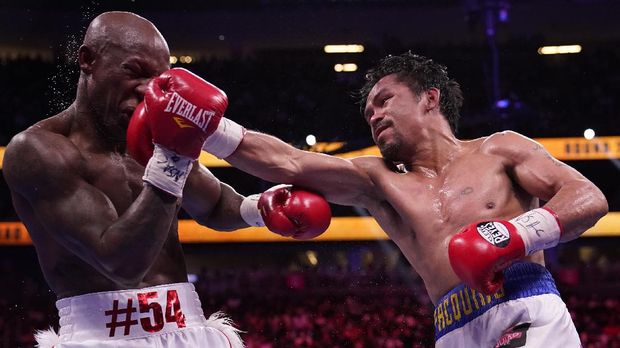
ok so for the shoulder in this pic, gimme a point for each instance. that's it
(373, 164)
(364, 161)
(377, 168)
(508, 144)
(41, 144)
(36, 154)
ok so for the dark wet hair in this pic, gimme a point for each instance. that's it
(420, 74)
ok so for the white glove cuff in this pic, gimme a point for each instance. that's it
(250, 212)
(167, 171)
(225, 140)
(539, 228)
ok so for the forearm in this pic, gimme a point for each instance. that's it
(269, 158)
(266, 157)
(225, 214)
(578, 205)
(211, 202)
(131, 244)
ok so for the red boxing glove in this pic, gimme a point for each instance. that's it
(481, 251)
(164, 168)
(139, 143)
(183, 110)
(289, 211)
(167, 131)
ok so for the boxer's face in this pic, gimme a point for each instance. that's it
(393, 112)
(119, 82)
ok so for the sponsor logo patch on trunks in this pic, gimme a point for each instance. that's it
(494, 232)
(515, 337)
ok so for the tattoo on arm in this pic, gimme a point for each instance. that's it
(557, 163)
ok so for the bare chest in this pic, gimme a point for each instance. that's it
(118, 177)
(431, 207)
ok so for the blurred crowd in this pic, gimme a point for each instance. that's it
(374, 305)
(295, 92)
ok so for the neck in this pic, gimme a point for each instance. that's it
(435, 148)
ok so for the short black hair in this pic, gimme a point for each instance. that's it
(420, 74)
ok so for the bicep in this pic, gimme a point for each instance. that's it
(577, 202)
(71, 210)
(537, 172)
(77, 215)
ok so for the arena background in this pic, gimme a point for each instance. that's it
(351, 287)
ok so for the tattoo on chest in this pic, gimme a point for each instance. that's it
(467, 190)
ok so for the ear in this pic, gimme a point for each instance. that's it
(86, 59)
(432, 98)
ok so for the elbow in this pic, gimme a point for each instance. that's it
(289, 170)
(600, 203)
(284, 168)
(224, 217)
(221, 226)
(216, 223)
(287, 176)
(127, 275)
(595, 204)
(129, 282)
(123, 271)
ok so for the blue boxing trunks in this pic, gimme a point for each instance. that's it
(526, 312)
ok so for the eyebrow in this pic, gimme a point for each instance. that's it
(143, 63)
(379, 94)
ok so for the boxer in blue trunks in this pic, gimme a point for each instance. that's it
(466, 214)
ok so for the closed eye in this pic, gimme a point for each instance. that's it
(137, 70)
(131, 70)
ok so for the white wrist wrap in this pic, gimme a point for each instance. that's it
(250, 212)
(539, 228)
(167, 171)
(225, 140)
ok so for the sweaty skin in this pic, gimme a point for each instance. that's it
(95, 225)
(440, 184)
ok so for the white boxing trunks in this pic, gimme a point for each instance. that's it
(526, 312)
(160, 316)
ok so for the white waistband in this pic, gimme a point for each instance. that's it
(130, 313)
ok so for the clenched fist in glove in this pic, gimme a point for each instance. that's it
(289, 211)
(167, 132)
(481, 251)
(183, 110)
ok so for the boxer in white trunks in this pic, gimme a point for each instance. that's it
(104, 227)
(466, 214)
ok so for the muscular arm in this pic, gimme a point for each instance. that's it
(210, 202)
(80, 216)
(578, 203)
(340, 180)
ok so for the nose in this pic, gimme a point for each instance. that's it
(375, 118)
